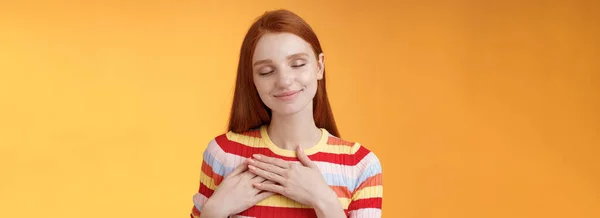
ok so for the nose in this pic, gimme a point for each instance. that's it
(285, 79)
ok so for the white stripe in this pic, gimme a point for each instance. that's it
(231, 160)
(199, 200)
(365, 213)
(351, 172)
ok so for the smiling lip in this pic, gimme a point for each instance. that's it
(288, 96)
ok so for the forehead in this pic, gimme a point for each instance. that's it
(277, 46)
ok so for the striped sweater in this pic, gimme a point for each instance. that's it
(350, 169)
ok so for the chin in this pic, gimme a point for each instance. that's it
(288, 109)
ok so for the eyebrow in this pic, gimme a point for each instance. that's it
(297, 55)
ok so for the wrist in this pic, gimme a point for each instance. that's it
(213, 211)
(330, 209)
(327, 204)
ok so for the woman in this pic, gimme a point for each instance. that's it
(282, 155)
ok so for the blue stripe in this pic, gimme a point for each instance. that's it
(197, 204)
(339, 180)
(374, 169)
(331, 179)
(216, 166)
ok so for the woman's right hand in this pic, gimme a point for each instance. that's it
(235, 194)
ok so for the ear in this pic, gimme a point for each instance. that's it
(320, 66)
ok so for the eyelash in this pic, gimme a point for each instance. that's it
(294, 66)
(267, 73)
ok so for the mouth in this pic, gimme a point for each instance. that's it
(288, 94)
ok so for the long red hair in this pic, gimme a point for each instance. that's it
(248, 111)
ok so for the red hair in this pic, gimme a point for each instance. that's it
(248, 111)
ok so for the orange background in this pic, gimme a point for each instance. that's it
(476, 109)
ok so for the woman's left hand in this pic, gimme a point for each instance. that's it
(303, 182)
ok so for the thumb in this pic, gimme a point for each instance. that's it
(239, 169)
(303, 158)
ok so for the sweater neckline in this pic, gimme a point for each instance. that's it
(292, 153)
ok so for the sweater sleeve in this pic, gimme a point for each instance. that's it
(367, 196)
(210, 177)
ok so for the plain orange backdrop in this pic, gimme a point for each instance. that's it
(475, 108)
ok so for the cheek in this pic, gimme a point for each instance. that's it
(308, 78)
(262, 86)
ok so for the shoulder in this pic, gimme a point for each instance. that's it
(231, 143)
(364, 163)
(226, 151)
(353, 148)
(359, 154)
(227, 139)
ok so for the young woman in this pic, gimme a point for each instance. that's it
(283, 155)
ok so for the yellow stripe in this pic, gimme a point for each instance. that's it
(341, 149)
(282, 201)
(259, 143)
(345, 202)
(207, 181)
(369, 192)
(246, 140)
(273, 201)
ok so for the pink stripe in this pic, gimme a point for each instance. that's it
(232, 160)
(348, 171)
(226, 159)
(364, 212)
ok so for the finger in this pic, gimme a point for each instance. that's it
(257, 179)
(263, 195)
(275, 161)
(268, 182)
(247, 175)
(267, 166)
(262, 181)
(267, 175)
(270, 187)
(239, 169)
(304, 159)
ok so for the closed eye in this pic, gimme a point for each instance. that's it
(266, 73)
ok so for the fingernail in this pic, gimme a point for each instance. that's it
(250, 160)
(256, 156)
(257, 184)
(251, 167)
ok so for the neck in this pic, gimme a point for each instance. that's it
(290, 131)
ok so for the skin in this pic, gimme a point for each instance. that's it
(285, 74)
(237, 191)
(300, 182)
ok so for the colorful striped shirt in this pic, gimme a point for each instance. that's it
(350, 169)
